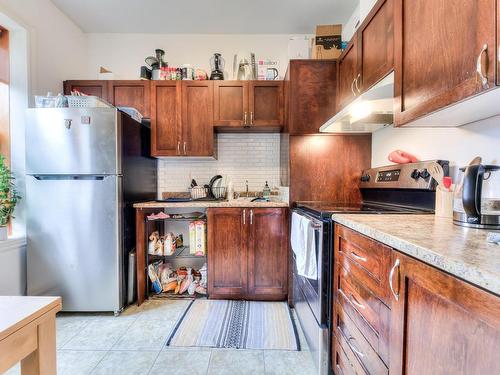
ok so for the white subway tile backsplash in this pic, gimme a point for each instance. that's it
(241, 157)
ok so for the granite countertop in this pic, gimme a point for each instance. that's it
(241, 202)
(460, 251)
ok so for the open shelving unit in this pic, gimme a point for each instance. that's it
(181, 256)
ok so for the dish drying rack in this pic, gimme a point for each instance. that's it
(205, 193)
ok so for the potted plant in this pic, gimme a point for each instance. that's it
(8, 197)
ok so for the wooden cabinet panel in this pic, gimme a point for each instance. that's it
(88, 87)
(323, 155)
(440, 324)
(366, 259)
(247, 253)
(347, 74)
(377, 44)
(310, 90)
(231, 103)
(357, 348)
(267, 253)
(498, 44)
(197, 118)
(227, 252)
(370, 314)
(166, 118)
(341, 363)
(134, 94)
(266, 103)
(437, 46)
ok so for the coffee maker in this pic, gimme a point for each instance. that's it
(217, 66)
(476, 202)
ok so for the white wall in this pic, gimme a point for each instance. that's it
(57, 47)
(125, 53)
(242, 156)
(459, 145)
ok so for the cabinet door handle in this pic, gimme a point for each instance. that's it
(391, 276)
(356, 303)
(245, 119)
(356, 82)
(244, 216)
(356, 256)
(184, 146)
(251, 217)
(352, 87)
(178, 147)
(354, 349)
(479, 67)
(251, 118)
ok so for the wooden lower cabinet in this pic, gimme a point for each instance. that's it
(267, 253)
(247, 253)
(433, 322)
(440, 324)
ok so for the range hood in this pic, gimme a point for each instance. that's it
(369, 112)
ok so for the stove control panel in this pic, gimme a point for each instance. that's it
(402, 176)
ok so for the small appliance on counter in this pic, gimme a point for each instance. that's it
(477, 199)
(393, 189)
(217, 64)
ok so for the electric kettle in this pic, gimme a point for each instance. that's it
(477, 199)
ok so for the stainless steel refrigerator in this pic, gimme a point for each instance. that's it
(85, 167)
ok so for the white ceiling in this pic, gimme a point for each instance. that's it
(205, 16)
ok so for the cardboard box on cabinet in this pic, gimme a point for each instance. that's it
(327, 44)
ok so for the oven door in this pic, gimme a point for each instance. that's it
(315, 291)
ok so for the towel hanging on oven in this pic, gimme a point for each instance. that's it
(304, 246)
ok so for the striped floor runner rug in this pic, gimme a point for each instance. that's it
(236, 324)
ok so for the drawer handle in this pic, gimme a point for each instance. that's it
(178, 147)
(251, 217)
(354, 349)
(356, 256)
(244, 215)
(356, 303)
(479, 67)
(352, 87)
(391, 276)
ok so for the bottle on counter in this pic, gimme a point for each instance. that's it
(266, 193)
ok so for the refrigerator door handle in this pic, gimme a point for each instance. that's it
(69, 177)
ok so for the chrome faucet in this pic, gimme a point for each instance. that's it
(246, 184)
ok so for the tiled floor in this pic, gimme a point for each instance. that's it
(134, 343)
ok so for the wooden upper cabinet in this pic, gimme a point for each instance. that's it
(267, 252)
(197, 118)
(166, 118)
(310, 89)
(134, 94)
(227, 252)
(88, 87)
(437, 47)
(266, 103)
(498, 41)
(231, 103)
(376, 39)
(348, 75)
(440, 324)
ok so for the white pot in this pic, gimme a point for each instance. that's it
(3, 233)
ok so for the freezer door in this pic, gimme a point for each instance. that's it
(72, 141)
(74, 240)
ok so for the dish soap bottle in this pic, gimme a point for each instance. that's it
(266, 193)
